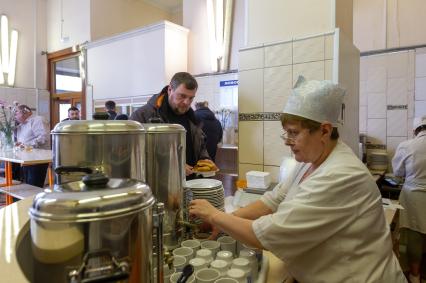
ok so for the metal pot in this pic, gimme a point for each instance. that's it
(115, 148)
(94, 229)
(165, 174)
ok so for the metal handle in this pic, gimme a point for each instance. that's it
(72, 169)
(118, 270)
(158, 224)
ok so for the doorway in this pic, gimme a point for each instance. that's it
(66, 84)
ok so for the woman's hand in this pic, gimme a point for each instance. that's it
(203, 209)
(188, 170)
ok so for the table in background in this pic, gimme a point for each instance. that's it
(25, 158)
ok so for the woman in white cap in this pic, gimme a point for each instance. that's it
(410, 162)
(326, 222)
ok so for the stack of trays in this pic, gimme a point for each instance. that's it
(208, 189)
(378, 160)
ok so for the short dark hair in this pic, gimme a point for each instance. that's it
(309, 124)
(201, 104)
(183, 78)
(24, 108)
(73, 108)
(121, 117)
(419, 129)
(110, 105)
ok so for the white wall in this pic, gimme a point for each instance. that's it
(135, 64)
(109, 17)
(195, 19)
(285, 19)
(76, 25)
(27, 16)
(382, 24)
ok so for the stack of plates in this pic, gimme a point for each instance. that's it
(208, 189)
(378, 160)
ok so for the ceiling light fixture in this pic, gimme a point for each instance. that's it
(219, 23)
(5, 42)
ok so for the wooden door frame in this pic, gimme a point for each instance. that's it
(59, 56)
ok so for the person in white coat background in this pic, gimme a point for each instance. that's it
(409, 161)
(326, 221)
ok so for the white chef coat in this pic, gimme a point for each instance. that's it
(410, 162)
(331, 227)
(34, 131)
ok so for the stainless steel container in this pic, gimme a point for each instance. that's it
(115, 148)
(93, 229)
(165, 174)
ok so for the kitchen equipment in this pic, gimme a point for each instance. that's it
(95, 229)
(377, 159)
(115, 148)
(165, 174)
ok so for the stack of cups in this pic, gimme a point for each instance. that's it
(244, 265)
(214, 261)
(250, 255)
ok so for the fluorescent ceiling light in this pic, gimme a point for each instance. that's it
(13, 53)
(1, 73)
(5, 43)
(219, 28)
(212, 36)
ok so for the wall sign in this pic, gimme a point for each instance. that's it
(228, 83)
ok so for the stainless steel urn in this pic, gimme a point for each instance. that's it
(115, 148)
(165, 174)
(95, 229)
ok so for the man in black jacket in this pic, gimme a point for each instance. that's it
(211, 127)
(173, 105)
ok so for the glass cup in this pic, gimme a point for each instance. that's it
(207, 275)
(228, 243)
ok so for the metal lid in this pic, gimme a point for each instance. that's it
(203, 184)
(77, 202)
(163, 128)
(97, 126)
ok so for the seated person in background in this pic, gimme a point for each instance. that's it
(173, 105)
(210, 125)
(122, 117)
(326, 220)
(110, 109)
(73, 114)
(32, 131)
(410, 162)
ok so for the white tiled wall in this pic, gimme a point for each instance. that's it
(392, 79)
(266, 77)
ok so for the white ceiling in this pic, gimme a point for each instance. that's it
(170, 6)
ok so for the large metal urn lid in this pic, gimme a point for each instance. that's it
(163, 128)
(97, 126)
(92, 199)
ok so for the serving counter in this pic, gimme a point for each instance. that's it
(14, 225)
(25, 158)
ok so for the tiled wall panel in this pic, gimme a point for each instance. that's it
(396, 123)
(250, 91)
(273, 146)
(250, 139)
(277, 87)
(279, 54)
(308, 50)
(250, 59)
(311, 71)
(265, 83)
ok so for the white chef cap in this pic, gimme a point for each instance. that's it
(315, 100)
(419, 121)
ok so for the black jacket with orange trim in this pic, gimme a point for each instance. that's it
(154, 112)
